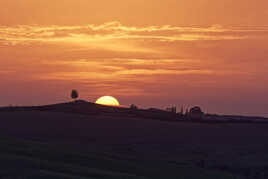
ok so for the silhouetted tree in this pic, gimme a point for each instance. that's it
(133, 106)
(74, 94)
(182, 110)
(196, 113)
(172, 109)
(186, 112)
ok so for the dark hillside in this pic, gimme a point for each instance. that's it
(87, 108)
(46, 144)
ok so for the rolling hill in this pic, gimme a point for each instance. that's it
(84, 140)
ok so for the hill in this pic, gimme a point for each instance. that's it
(88, 108)
(54, 142)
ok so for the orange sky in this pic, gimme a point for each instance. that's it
(151, 53)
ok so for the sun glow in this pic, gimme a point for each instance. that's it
(108, 101)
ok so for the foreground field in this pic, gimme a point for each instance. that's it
(59, 145)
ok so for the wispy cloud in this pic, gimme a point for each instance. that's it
(112, 31)
(120, 69)
(6, 72)
(134, 60)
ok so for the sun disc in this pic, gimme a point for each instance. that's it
(108, 101)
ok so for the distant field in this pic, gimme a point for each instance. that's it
(59, 145)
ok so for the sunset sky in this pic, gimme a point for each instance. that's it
(152, 53)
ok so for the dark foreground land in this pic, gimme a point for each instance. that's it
(49, 144)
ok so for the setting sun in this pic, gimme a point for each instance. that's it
(107, 100)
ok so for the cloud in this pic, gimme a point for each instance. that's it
(115, 31)
(120, 69)
(4, 72)
(135, 61)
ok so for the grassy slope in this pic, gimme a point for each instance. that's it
(59, 145)
(28, 159)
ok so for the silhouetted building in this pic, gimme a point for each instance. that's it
(196, 113)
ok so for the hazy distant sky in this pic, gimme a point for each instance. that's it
(153, 53)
